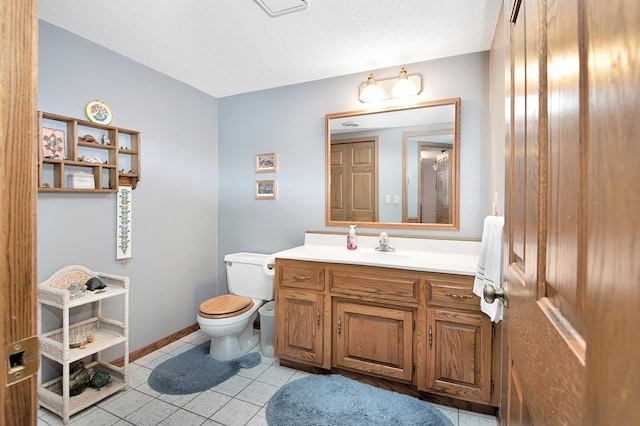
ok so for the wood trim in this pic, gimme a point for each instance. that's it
(18, 202)
(158, 344)
(420, 237)
(455, 215)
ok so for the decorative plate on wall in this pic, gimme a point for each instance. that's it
(98, 112)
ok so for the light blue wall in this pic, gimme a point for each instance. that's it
(291, 121)
(175, 216)
(195, 200)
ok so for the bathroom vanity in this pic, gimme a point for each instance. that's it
(408, 316)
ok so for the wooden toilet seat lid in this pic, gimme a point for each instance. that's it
(227, 305)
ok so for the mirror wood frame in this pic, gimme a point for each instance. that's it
(455, 170)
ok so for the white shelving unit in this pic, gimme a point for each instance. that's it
(54, 395)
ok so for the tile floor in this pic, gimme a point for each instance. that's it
(240, 400)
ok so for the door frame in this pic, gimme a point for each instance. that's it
(18, 198)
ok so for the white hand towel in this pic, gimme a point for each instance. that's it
(478, 282)
(490, 265)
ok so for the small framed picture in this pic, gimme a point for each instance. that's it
(53, 143)
(266, 189)
(98, 112)
(267, 162)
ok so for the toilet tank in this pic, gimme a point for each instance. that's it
(247, 275)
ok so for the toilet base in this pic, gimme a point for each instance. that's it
(226, 348)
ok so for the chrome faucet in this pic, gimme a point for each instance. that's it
(384, 243)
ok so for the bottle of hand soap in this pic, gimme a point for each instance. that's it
(352, 238)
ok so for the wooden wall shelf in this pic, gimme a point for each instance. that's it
(112, 162)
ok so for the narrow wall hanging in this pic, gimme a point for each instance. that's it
(123, 231)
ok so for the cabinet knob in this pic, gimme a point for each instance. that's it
(491, 293)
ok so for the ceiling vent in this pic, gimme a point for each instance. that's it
(276, 8)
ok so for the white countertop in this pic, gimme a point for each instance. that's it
(419, 254)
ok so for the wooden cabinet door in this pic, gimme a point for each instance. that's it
(459, 354)
(373, 339)
(299, 327)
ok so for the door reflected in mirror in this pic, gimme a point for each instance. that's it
(426, 195)
(394, 167)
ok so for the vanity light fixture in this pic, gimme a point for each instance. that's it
(275, 8)
(402, 87)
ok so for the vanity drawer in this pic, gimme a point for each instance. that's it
(380, 283)
(455, 291)
(300, 274)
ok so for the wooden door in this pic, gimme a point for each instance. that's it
(544, 351)
(376, 340)
(612, 225)
(427, 186)
(354, 185)
(572, 227)
(18, 159)
(443, 188)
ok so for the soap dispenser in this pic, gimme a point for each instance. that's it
(352, 238)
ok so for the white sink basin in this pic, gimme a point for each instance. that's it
(455, 257)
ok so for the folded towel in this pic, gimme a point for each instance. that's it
(490, 265)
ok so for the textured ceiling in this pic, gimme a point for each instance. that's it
(228, 47)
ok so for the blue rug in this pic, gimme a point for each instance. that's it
(336, 400)
(195, 371)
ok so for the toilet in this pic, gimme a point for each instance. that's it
(228, 319)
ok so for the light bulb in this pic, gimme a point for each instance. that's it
(403, 86)
(371, 92)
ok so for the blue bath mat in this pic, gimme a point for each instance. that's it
(195, 371)
(336, 400)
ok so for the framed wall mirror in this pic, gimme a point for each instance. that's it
(395, 167)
